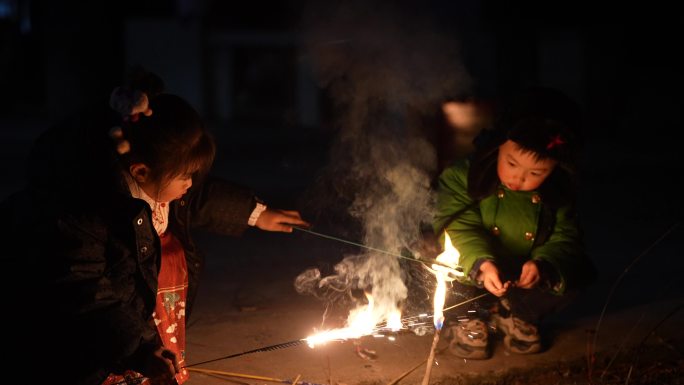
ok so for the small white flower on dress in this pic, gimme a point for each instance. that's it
(173, 340)
(172, 328)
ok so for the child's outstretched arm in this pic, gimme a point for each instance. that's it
(280, 220)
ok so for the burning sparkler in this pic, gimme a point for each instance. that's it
(445, 271)
(361, 322)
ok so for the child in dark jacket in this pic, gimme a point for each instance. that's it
(104, 228)
(510, 212)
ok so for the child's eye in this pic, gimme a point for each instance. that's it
(535, 174)
(511, 164)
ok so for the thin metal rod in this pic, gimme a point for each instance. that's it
(351, 243)
(466, 301)
(622, 275)
(264, 349)
(422, 260)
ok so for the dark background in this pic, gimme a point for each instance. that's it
(247, 67)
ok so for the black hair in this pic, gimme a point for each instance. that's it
(544, 122)
(173, 140)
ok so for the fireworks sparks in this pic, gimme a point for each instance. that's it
(364, 320)
(361, 322)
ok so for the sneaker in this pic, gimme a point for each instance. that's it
(469, 339)
(519, 336)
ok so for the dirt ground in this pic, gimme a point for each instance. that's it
(250, 303)
(629, 319)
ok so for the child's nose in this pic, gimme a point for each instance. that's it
(520, 177)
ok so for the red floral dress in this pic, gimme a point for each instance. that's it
(169, 312)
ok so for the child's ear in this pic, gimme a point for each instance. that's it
(140, 172)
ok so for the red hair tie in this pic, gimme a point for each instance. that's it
(555, 141)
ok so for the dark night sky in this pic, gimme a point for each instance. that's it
(619, 59)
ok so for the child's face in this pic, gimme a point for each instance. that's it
(168, 190)
(175, 188)
(520, 170)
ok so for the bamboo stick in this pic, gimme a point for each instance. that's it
(431, 358)
(249, 376)
(232, 374)
(406, 373)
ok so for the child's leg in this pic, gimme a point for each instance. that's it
(519, 314)
(532, 305)
(465, 327)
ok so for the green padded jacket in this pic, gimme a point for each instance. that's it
(504, 228)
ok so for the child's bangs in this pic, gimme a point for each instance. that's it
(200, 157)
(536, 137)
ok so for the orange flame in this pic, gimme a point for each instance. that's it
(445, 272)
(362, 321)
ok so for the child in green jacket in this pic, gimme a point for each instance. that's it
(509, 211)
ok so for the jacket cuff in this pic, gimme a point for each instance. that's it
(260, 208)
(549, 278)
(475, 271)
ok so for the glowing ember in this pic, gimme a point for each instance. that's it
(394, 321)
(361, 322)
(449, 257)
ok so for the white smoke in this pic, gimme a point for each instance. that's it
(383, 67)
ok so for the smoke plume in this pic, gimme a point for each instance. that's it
(384, 67)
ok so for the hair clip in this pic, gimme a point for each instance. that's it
(130, 104)
(122, 145)
(555, 141)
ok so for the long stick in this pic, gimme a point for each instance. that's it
(424, 260)
(431, 358)
(406, 373)
(250, 376)
(592, 348)
(264, 349)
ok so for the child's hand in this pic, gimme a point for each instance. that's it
(160, 366)
(280, 220)
(529, 277)
(489, 275)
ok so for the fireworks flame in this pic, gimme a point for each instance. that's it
(445, 272)
(361, 322)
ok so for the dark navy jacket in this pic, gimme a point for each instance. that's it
(82, 256)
